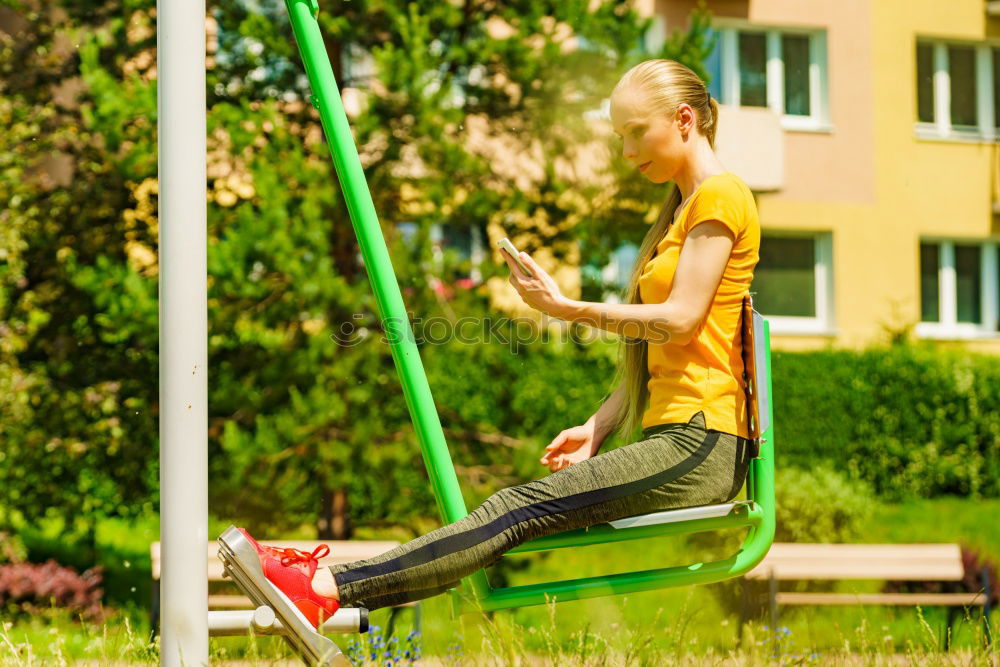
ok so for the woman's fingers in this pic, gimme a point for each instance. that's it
(512, 265)
(553, 446)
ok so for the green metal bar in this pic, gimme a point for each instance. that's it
(416, 390)
(760, 485)
(614, 584)
(444, 482)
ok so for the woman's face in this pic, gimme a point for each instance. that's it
(652, 142)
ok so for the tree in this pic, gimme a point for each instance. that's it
(300, 421)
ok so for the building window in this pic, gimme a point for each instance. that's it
(459, 249)
(777, 68)
(925, 83)
(793, 282)
(962, 73)
(357, 66)
(752, 68)
(958, 95)
(958, 289)
(614, 276)
(795, 53)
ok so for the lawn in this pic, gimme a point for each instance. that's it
(639, 628)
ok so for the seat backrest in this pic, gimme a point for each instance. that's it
(755, 370)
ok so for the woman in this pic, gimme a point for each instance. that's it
(682, 316)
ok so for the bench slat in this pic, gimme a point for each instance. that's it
(940, 599)
(893, 562)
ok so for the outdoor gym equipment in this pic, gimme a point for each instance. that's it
(186, 621)
(756, 513)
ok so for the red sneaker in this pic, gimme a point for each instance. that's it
(291, 571)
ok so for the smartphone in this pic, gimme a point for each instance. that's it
(509, 248)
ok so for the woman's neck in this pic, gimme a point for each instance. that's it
(701, 164)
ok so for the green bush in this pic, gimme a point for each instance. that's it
(913, 421)
(820, 505)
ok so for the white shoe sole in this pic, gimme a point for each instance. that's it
(242, 564)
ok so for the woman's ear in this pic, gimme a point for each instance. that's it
(685, 118)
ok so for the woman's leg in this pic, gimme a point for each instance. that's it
(675, 465)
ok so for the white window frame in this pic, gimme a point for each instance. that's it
(436, 237)
(357, 66)
(942, 128)
(949, 328)
(618, 272)
(819, 80)
(823, 322)
(477, 253)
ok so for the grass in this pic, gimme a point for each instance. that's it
(55, 639)
(676, 626)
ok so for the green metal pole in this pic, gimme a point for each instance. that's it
(760, 517)
(416, 390)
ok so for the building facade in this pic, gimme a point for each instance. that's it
(877, 175)
(868, 131)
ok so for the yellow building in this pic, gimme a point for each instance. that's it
(868, 130)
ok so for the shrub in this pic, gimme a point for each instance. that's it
(12, 549)
(913, 421)
(29, 587)
(820, 505)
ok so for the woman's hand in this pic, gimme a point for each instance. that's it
(571, 446)
(540, 292)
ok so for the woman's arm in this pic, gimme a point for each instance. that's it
(604, 418)
(699, 271)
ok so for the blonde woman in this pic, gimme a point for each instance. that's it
(680, 375)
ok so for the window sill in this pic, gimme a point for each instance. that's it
(934, 331)
(803, 124)
(821, 333)
(931, 133)
(796, 326)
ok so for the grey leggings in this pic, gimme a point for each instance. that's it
(672, 466)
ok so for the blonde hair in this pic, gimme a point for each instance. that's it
(665, 85)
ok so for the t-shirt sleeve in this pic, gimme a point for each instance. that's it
(719, 199)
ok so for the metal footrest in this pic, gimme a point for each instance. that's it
(263, 621)
(243, 565)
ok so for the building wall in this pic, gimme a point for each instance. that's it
(868, 179)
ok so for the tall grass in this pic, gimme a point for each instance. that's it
(54, 638)
(672, 626)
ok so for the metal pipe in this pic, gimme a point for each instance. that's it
(263, 621)
(180, 66)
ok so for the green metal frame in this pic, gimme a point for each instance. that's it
(757, 514)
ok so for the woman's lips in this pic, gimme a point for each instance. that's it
(643, 167)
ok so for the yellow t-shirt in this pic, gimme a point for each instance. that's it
(705, 374)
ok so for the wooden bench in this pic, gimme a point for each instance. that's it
(341, 551)
(886, 562)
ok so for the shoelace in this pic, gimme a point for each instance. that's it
(291, 556)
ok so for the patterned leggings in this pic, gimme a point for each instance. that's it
(671, 466)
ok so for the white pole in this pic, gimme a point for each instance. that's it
(180, 66)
